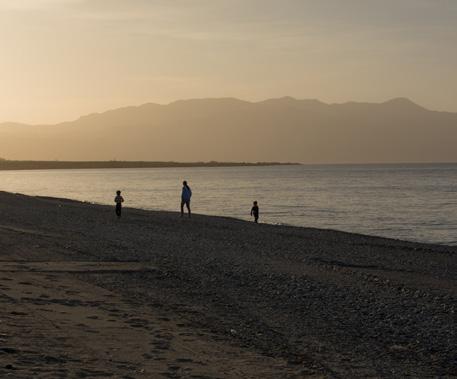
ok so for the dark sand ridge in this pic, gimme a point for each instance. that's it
(152, 295)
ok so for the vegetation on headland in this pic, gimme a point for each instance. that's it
(53, 165)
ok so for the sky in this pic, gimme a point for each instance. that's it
(60, 59)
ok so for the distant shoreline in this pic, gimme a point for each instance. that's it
(68, 165)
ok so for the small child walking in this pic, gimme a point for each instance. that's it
(255, 212)
(118, 200)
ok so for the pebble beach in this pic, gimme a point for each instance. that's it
(154, 295)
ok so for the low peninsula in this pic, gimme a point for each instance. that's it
(67, 165)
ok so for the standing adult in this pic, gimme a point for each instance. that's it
(185, 197)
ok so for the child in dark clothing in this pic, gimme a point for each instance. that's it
(255, 212)
(118, 200)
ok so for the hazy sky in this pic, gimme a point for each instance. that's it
(60, 59)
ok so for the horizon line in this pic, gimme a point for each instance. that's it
(210, 162)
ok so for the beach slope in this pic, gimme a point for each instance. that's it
(153, 295)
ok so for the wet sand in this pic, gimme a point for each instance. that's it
(153, 295)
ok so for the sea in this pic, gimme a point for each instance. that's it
(414, 202)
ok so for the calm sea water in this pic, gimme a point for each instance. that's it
(410, 202)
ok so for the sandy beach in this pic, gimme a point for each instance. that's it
(152, 295)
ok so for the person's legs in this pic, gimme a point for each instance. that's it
(188, 206)
(182, 208)
(118, 210)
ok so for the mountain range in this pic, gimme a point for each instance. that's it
(228, 129)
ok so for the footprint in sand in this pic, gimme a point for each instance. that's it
(26, 283)
(72, 292)
(169, 374)
(161, 345)
(184, 360)
(18, 313)
(137, 323)
(8, 350)
(183, 325)
(53, 360)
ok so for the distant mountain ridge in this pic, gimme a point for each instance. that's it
(229, 129)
